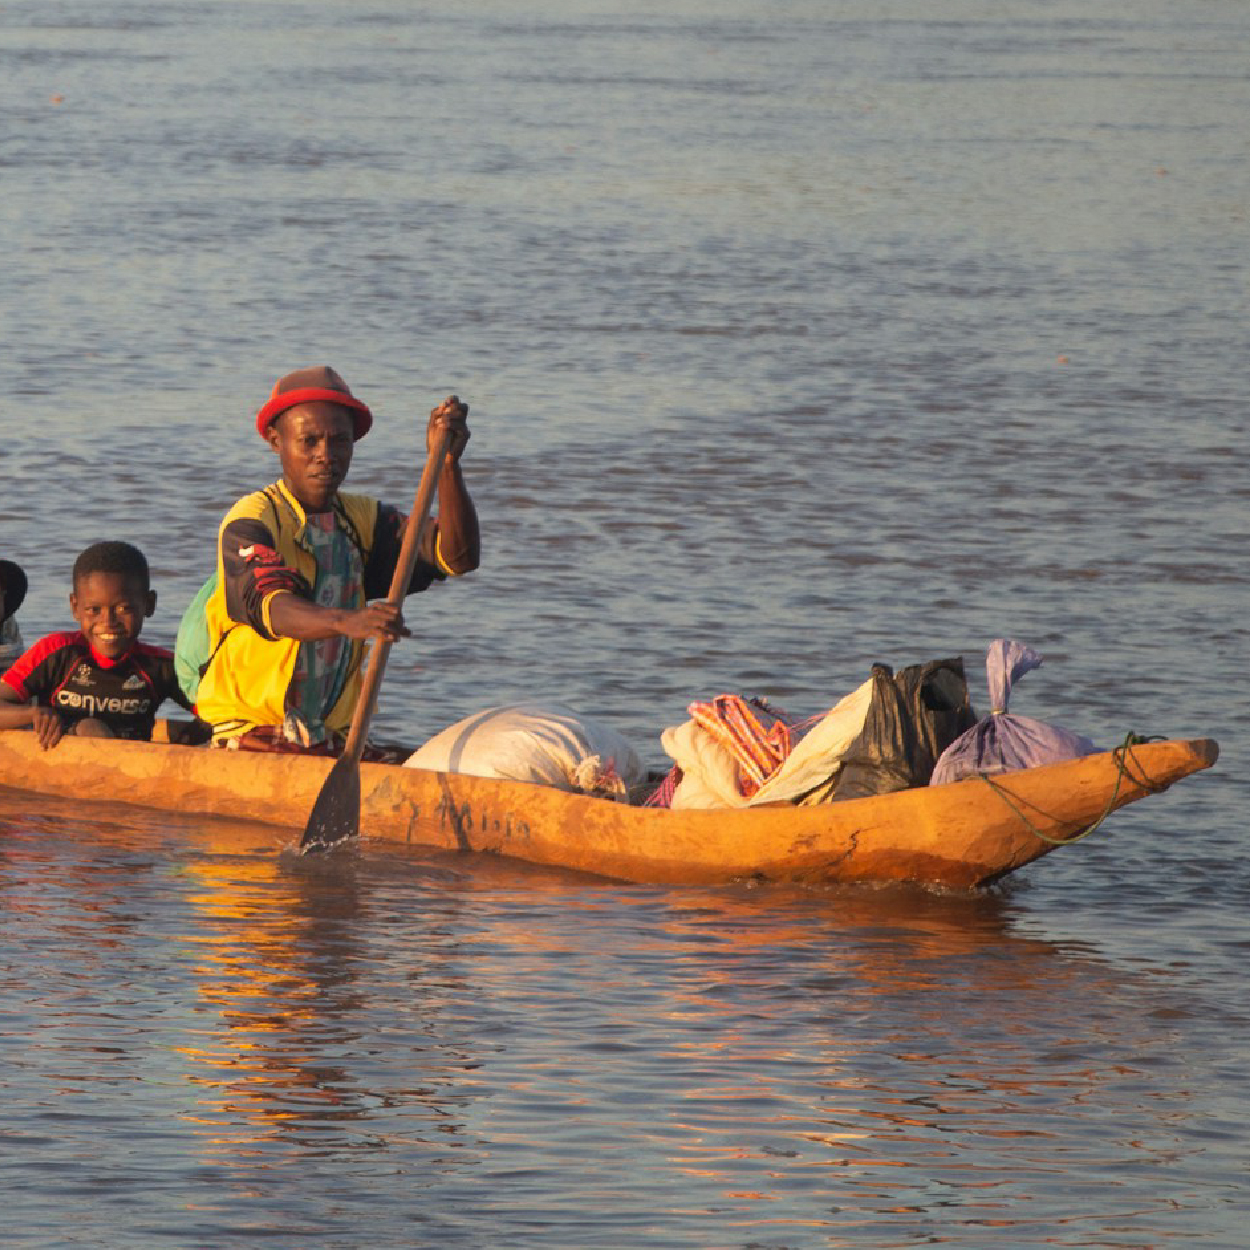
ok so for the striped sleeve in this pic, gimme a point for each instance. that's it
(37, 671)
(254, 573)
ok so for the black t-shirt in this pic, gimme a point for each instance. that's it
(61, 671)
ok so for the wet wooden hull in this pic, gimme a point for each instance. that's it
(961, 835)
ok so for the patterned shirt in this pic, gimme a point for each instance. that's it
(321, 667)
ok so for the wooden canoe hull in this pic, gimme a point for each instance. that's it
(961, 835)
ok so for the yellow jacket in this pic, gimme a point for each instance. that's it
(246, 681)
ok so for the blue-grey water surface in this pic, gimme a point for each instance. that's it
(797, 337)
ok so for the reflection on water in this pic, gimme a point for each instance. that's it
(251, 1067)
(408, 1030)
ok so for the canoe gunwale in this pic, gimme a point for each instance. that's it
(1127, 765)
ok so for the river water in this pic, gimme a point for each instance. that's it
(796, 338)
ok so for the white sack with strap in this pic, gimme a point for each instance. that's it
(544, 743)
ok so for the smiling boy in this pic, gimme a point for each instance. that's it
(99, 681)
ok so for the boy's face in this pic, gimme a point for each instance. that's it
(110, 609)
(315, 443)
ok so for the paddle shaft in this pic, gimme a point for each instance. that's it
(336, 813)
(408, 554)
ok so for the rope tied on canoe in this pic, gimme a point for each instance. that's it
(1127, 765)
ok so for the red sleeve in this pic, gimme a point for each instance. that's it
(33, 674)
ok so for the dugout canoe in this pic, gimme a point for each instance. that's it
(962, 835)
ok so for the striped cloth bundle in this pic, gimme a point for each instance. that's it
(759, 748)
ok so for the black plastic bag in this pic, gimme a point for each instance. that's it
(915, 714)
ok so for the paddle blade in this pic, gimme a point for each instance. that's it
(336, 813)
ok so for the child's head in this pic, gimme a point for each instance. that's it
(112, 597)
(12, 589)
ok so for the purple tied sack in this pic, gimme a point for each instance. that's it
(1002, 743)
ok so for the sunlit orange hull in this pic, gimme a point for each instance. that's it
(961, 835)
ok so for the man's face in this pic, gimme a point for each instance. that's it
(315, 443)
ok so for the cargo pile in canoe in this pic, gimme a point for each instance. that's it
(965, 834)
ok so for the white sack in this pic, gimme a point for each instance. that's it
(544, 743)
(817, 756)
(709, 772)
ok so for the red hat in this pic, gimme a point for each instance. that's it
(308, 386)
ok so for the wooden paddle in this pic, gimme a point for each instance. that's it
(336, 813)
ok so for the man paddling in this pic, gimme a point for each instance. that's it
(303, 570)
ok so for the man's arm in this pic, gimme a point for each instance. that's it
(451, 544)
(275, 600)
(457, 537)
(291, 616)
